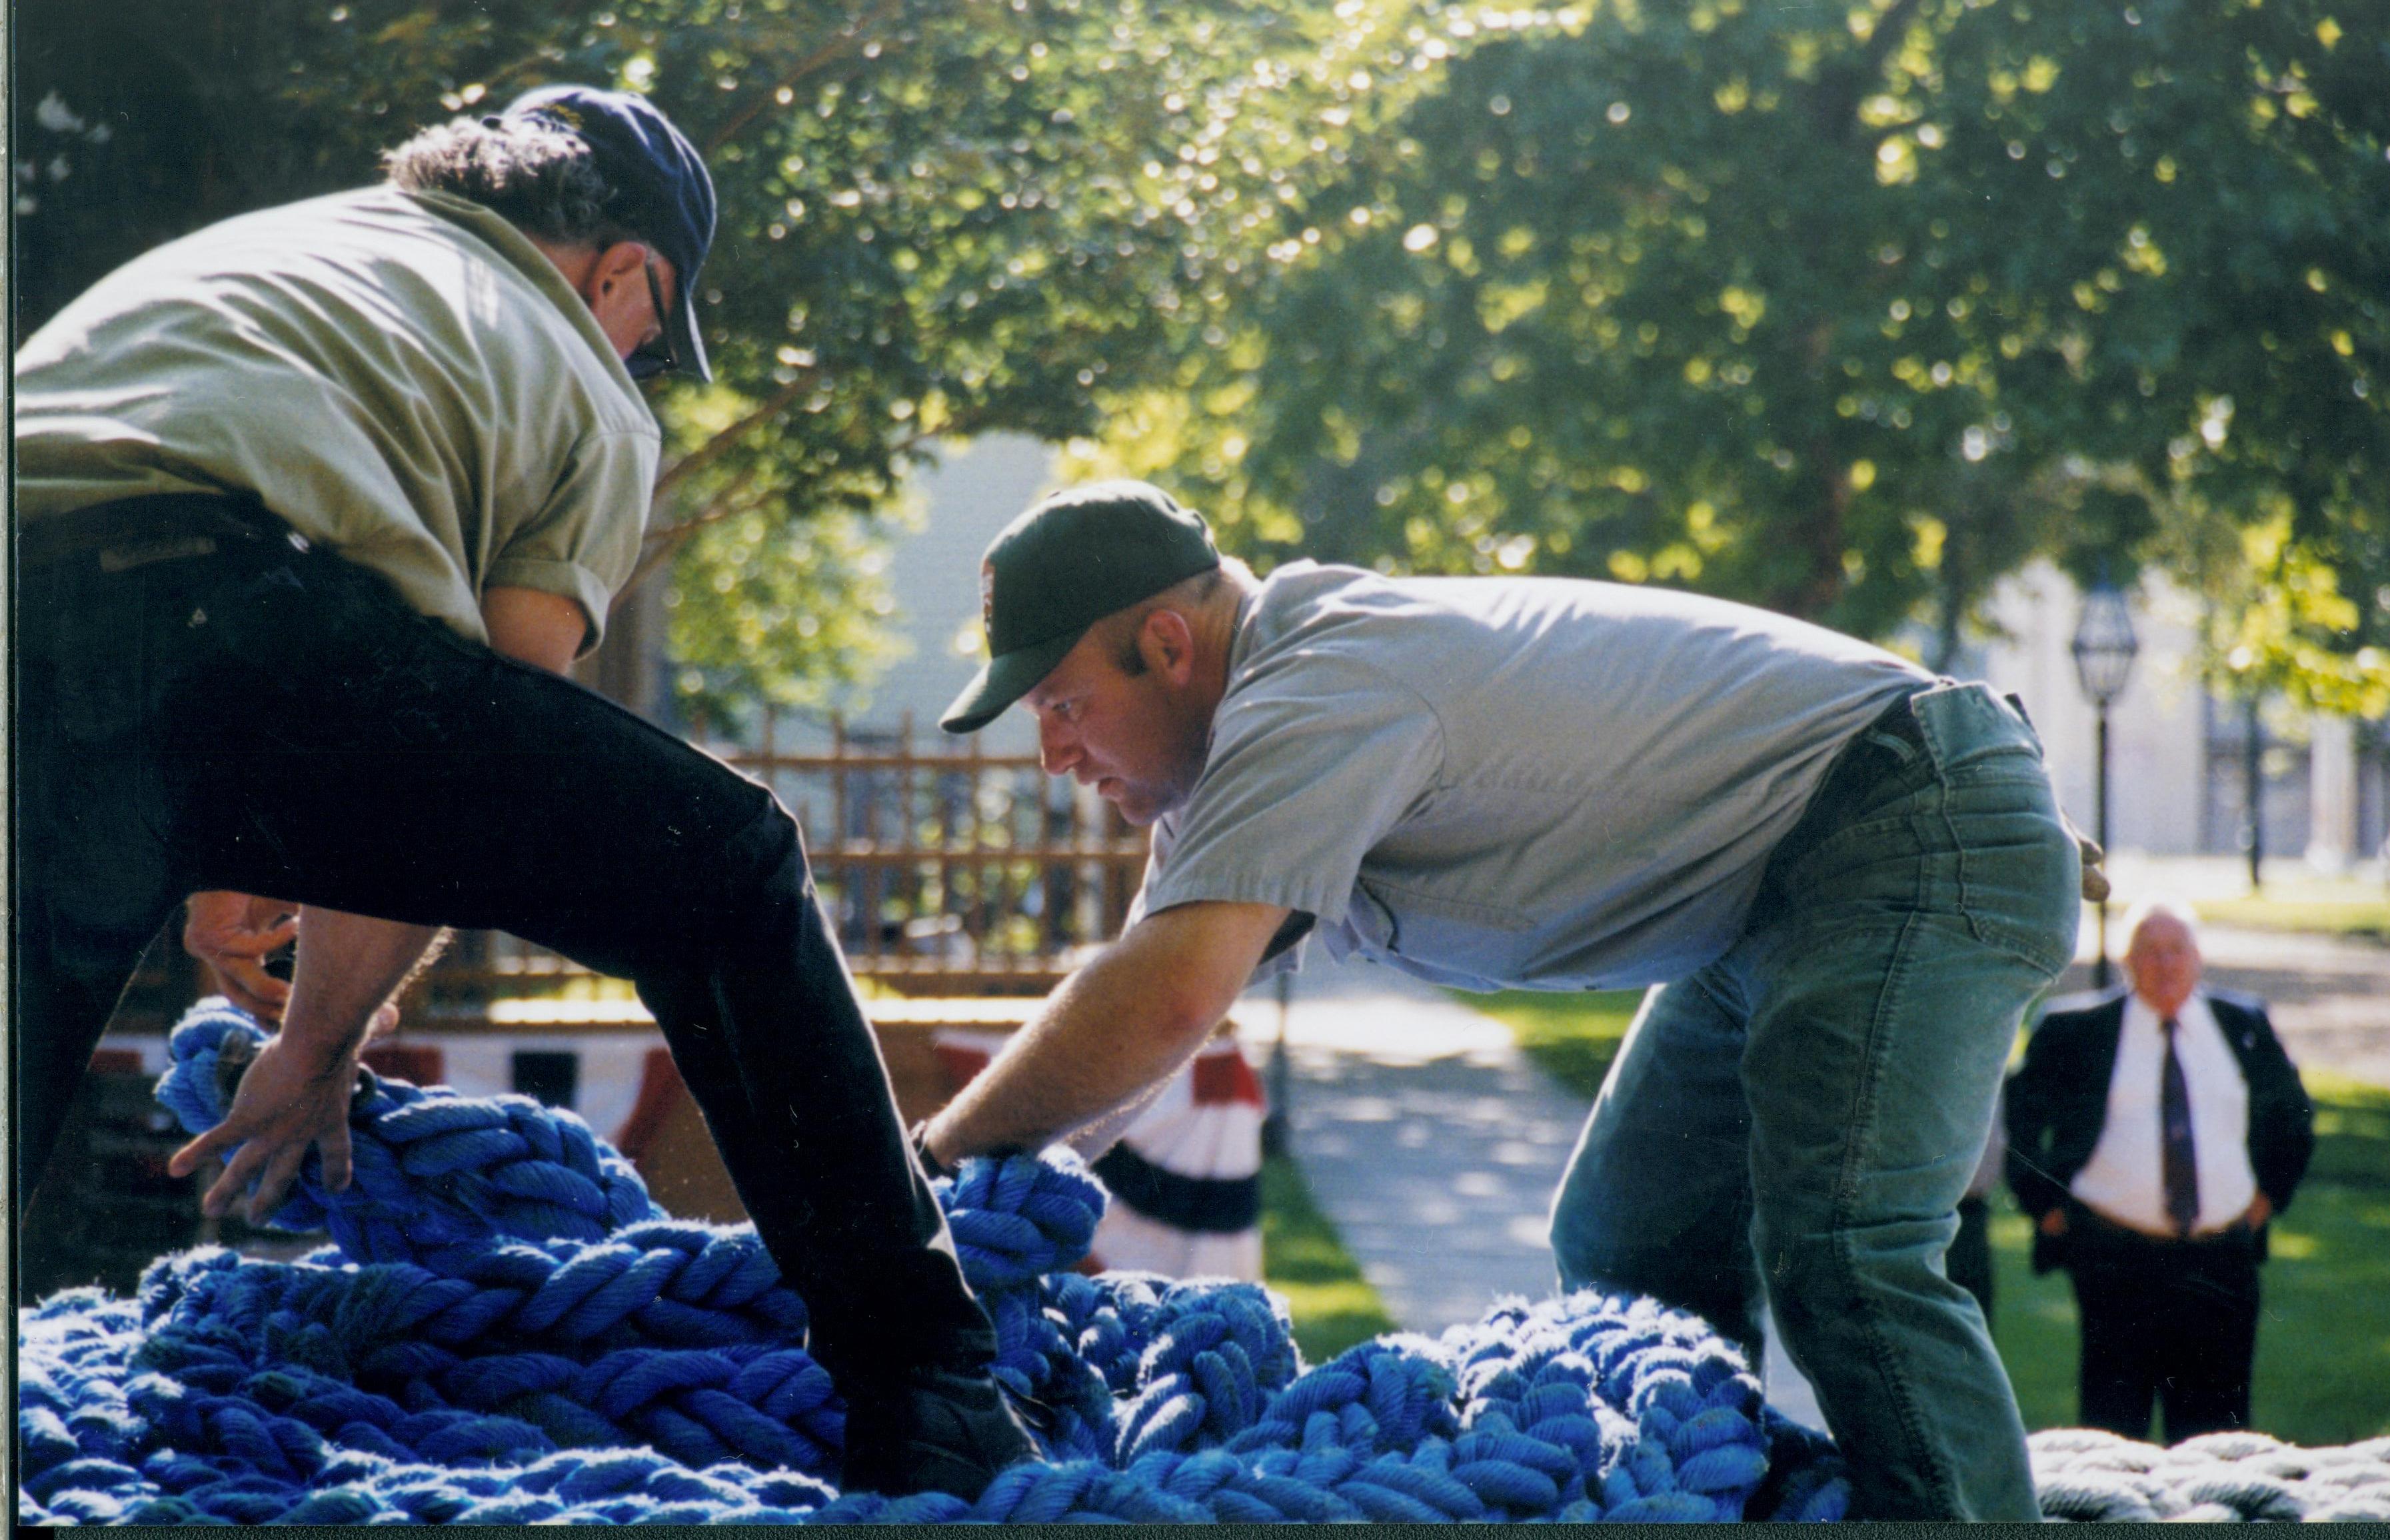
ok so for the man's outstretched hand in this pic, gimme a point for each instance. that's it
(234, 933)
(290, 1100)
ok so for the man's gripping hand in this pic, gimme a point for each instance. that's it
(290, 1100)
(232, 935)
(295, 1094)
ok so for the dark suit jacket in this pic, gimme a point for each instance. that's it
(2057, 1101)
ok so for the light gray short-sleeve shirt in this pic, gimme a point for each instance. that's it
(1512, 782)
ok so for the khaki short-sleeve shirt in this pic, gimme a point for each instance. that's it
(403, 378)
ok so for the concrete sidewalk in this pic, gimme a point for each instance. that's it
(1433, 1144)
(1425, 1134)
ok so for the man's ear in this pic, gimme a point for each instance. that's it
(1167, 642)
(617, 273)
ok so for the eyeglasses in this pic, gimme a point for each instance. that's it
(657, 358)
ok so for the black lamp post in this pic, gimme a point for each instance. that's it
(1278, 1124)
(2104, 647)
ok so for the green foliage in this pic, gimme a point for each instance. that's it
(1847, 310)
(1844, 310)
(2275, 618)
(938, 217)
(805, 594)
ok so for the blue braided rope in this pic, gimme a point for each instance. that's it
(433, 1175)
(507, 1329)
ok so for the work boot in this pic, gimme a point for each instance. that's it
(932, 1429)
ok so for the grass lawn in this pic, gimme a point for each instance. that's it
(2323, 1347)
(1333, 1306)
(2294, 896)
(1573, 1037)
(2358, 917)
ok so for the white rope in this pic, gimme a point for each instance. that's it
(2082, 1473)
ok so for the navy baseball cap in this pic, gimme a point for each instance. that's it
(1076, 557)
(659, 189)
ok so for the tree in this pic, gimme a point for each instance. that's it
(2210, 245)
(1846, 310)
(938, 218)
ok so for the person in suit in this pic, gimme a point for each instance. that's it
(1968, 1260)
(2152, 1132)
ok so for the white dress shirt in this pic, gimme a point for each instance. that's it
(2123, 1179)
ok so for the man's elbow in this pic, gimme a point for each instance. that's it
(1186, 1010)
(1187, 973)
(1172, 976)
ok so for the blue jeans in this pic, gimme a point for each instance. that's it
(1810, 1107)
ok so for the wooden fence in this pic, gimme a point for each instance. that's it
(946, 872)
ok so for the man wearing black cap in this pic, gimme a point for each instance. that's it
(1848, 876)
(317, 504)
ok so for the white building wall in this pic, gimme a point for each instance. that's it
(2157, 729)
(2333, 798)
(970, 493)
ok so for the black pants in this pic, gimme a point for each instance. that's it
(2166, 1321)
(273, 721)
(1968, 1260)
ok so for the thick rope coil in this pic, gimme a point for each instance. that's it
(1382, 1396)
(1015, 1221)
(1108, 1320)
(1662, 1415)
(614, 1294)
(1034, 1362)
(1807, 1481)
(433, 1173)
(507, 1332)
(1213, 1357)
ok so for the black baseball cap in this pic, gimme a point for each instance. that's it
(658, 188)
(1073, 558)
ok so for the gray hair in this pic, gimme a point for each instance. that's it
(543, 179)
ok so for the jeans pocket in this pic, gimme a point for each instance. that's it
(2019, 872)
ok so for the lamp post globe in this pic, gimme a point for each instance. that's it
(2104, 645)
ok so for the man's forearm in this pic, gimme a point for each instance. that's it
(1099, 1041)
(1122, 1023)
(348, 965)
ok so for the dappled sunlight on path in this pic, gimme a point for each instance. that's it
(1432, 1142)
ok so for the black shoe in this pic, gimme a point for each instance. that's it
(932, 1429)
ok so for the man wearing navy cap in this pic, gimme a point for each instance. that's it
(317, 504)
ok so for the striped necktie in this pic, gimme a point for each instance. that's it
(2179, 1161)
